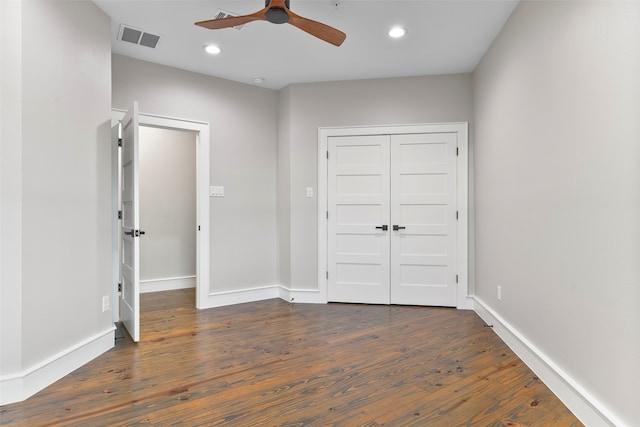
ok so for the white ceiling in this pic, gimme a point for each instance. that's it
(444, 37)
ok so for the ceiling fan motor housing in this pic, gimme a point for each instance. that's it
(276, 15)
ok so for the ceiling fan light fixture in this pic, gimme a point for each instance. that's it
(397, 32)
(212, 49)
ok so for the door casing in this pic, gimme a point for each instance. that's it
(201, 129)
(463, 301)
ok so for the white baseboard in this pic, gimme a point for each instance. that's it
(221, 299)
(304, 296)
(584, 406)
(22, 385)
(167, 284)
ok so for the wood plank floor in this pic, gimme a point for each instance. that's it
(272, 363)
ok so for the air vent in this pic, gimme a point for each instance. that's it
(137, 36)
(222, 14)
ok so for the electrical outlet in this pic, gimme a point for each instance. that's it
(105, 303)
(499, 293)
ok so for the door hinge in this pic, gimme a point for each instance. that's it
(119, 214)
(456, 278)
(327, 154)
(327, 214)
(457, 214)
(119, 287)
(327, 275)
(198, 228)
(119, 142)
(457, 151)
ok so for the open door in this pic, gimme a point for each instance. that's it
(130, 237)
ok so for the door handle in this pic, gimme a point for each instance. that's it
(397, 227)
(383, 227)
(134, 233)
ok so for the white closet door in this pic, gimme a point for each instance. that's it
(423, 209)
(358, 211)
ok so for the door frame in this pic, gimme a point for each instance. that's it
(463, 301)
(201, 130)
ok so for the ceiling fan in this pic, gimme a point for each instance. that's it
(277, 12)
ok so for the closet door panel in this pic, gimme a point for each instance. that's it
(358, 209)
(423, 217)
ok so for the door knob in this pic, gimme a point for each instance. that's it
(397, 227)
(383, 227)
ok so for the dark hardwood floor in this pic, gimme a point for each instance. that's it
(272, 363)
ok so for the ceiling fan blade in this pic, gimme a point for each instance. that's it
(233, 21)
(317, 29)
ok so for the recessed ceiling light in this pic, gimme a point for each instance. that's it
(212, 49)
(397, 32)
(258, 80)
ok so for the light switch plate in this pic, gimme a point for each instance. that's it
(216, 191)
(309, 191)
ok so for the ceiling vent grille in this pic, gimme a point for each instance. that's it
(222, 14)
(137, 36)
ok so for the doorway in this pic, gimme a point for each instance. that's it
(167, 172)
(200, 131)
(393, 214)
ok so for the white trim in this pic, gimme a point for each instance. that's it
(302, 296)
(118, 114)
(224, 298)
(167, 284)
(462, 243)
(462, 232)
(261, 293)
(586, 407)
(465, 303)
(22, 385)
(203, 218)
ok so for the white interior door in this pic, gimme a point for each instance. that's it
(115, 221)
(423, 217)
(130, 252)
(358, 219)
(391, 225)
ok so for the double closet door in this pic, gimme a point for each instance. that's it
(392, 219)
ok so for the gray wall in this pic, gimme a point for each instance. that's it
(55, 179)
(10, 187)
(243, 150)
(284, 187)
(431, 99)
(264, 151)
(167, 172)
(557, 108)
